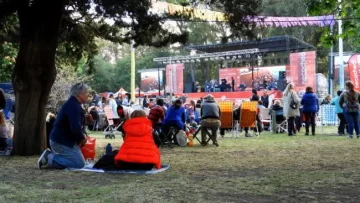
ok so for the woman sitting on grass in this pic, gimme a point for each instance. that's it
(138, 151)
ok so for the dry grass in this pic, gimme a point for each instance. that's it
(271, 168)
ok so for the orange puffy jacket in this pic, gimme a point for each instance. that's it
(139, 146)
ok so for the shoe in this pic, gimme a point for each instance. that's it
(248, 135)
(291, 134)
(43, 160)
(350, 136)
(216, 144)
(357, 136)
(203, 143)
(313, 134)
(306, 133)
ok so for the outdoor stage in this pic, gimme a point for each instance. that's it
(230, 95)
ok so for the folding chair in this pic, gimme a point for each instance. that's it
(248, 115)
(226, 118)
(166, 134)
(265, 117)
(210, 137)
(278, 126)
(112, 128)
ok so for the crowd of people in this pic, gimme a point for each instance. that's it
(140, 147)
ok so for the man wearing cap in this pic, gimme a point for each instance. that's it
(210, 118)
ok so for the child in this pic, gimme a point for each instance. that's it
(4, 132)
(138, 151)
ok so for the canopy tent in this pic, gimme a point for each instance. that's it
(121, 91)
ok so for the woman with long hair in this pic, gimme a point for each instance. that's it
(350, 102)
(291, 107)
(310, 104)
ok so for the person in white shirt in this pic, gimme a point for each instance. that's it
(113, 106)
(126, 101)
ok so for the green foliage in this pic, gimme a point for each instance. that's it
(349, 11)
(8, 53)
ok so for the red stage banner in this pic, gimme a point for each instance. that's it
(174, 77)
(301, 71)
(354, 70)
(243, 75)
(227, 73)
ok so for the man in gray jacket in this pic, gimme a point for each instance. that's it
(210, 118)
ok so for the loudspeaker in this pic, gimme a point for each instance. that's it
(281, 83)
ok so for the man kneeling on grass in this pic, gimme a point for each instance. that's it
(68, 134)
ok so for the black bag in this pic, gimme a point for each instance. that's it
(107, 162)
(293, 104)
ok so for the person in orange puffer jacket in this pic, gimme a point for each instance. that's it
(138, 151)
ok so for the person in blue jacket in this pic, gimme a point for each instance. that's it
(339, 111)
(68, 133)
(175, 115)
(310, 104)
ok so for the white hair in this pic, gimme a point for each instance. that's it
(78, 88)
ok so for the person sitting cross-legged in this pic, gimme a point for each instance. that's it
(68, 134)
(210, 118)
(138, 152)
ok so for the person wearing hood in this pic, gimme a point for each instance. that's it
(210, 118)
(139, 151)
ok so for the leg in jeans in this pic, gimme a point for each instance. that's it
(291, 125)
(65, 157)
(341, 129)
(312, 122)
(356, 123)
(350, 121)
(307, 121)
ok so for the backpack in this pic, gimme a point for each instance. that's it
(351, 105)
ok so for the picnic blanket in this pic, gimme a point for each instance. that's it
(90, 168)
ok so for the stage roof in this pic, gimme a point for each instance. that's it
(266, 45)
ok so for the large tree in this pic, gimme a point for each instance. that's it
(75, 24)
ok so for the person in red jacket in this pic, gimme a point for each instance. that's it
(138, 151)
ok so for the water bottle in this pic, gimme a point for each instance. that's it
(108, 150)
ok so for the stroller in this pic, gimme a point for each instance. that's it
(113, 124)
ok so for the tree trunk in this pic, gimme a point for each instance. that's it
(35, 72)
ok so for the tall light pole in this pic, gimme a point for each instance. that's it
(341, 51)
(132, 73)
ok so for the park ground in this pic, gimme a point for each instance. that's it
(269, 168)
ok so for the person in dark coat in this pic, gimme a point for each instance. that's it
(233, 84)
(310, 108)
(68, 134)
(255, 96)
(2, 99)
(265, 99)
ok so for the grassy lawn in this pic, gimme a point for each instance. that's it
(270, 168)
